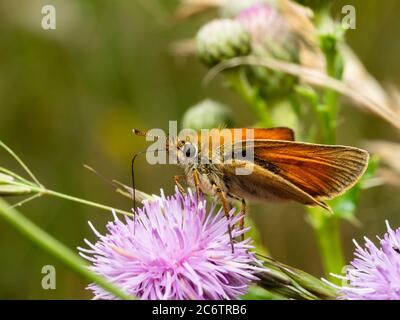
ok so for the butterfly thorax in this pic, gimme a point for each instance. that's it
(209, 177)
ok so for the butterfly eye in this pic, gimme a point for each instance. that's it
(189, 150)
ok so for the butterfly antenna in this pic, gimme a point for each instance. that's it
(133, 177)
(140, 133)
(133, 181)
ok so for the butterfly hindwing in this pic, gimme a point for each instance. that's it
(322, 171)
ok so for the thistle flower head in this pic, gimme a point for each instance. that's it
(231, 8)
(374, 273)
(207, 114)
(269, 31)
(173, 249)
(220, 40)
(314, 4)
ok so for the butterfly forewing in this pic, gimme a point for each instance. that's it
(280, 133)
(321, 171)
(220, 141)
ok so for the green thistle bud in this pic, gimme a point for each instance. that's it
(271, 36)
(221, 40)
(207, 114)
(293, 283)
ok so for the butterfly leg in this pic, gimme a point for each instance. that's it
(225, 206)
(196, 179)
(177, 180)
(243, 211)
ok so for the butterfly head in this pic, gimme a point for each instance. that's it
(187, 152)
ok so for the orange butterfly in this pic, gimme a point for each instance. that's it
(281, 169)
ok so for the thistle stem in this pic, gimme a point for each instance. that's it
(329, 113)
(240, 84)
(327, 227)
(55, 248)
(327, 232)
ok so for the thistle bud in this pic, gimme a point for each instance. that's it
(293, 283)
(271, 36)
(270, 33)
(207, 114)
(220, 40)
(231, 8)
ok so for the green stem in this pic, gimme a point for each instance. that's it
(327, 111)
(44, 191)
(86, 202)
(312, 99)
(331, 97)
(326, 228)
(55, 248)
(327, 124)
(39, 188)
(240, 84)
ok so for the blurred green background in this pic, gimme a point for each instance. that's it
(71, 96)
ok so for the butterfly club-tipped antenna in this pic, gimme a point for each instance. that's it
(142, 133)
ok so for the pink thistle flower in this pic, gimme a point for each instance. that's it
(173, 249)
(265, 25)
(374, 273)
